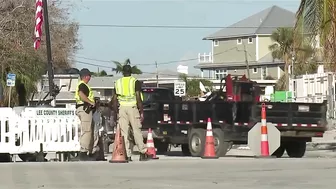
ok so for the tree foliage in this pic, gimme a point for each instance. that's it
(17, 54)
(101, 73)
(286, 48)
(318, 18)
(192, 85)
(119, 66)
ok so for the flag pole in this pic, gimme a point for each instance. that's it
(52, 87)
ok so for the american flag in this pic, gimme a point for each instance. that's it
(38, 24)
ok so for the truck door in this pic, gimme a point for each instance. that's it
(151, 99)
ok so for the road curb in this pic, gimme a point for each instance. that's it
(314, 146)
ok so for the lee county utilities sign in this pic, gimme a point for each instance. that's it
(11, 80)
(179, 88)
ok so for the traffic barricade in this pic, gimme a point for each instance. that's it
(55, 128)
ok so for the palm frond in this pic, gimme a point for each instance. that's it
(119, 67)
(136, 70)
(127, 62)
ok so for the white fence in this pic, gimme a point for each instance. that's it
(22, 130)
(315, 88)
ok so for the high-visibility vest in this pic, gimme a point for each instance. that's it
(77, 97)
(125, 89)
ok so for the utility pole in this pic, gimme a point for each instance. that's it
(247, 63)
(52, 88)
(157, 74)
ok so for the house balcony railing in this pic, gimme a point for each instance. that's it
(205, 58)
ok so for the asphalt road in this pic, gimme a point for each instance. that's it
(175, 172)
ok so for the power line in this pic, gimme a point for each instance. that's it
(159, 63)
(187, 1)
(172, 26)
(110, 67)
(90, 64)
(98, 60)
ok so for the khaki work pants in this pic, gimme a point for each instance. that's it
(88, 141)
(129, 115)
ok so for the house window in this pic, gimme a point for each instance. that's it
(239, 41)
(255, 70)
(221, 73)
(250, 40)
(215, 43)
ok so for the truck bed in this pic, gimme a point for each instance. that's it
(176, 117)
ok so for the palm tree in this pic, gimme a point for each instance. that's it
(282, 50)
(318, 18)
(119, 66)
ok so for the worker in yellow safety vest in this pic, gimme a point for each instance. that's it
(130, 113)
(84, 105)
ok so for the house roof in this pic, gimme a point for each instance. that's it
(263, 22)
(63, 95)
(266, 60)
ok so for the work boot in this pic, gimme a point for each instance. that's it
(97, 157)
(82, 156)
(144, 157)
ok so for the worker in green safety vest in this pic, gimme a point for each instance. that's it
(85, 104)
(130, 112)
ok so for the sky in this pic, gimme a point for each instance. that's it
(145, 46)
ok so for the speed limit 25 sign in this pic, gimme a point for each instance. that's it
(179, 88)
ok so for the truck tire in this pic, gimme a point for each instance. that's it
(279, 152)
(5, 157)
(185, 150)
(28, 157)
(196, 141)
(161, 147)
(221, 146)
(296, 149)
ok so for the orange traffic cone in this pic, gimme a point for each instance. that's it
(119, 150)
(209, 150)
(150, 145)
(264, 134)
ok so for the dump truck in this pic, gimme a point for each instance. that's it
(234, 109)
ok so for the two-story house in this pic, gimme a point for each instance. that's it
(246, 42)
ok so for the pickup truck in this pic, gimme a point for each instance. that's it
(234, 110)
(151, 97)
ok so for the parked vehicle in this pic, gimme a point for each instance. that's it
(234, 110)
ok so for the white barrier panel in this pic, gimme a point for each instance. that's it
(23, 130)
(55, 128)
(8, 131)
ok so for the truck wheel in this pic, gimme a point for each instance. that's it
(185, 149)
(5, 158)
(279, 152)
(221, 146)
(161, 147)
(196, 141)
(296, 149)
(29, 157)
